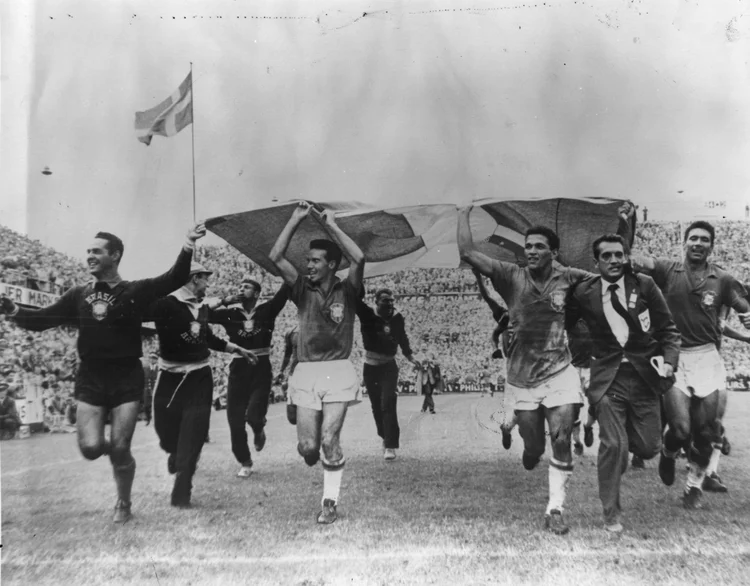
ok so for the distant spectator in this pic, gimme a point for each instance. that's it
(10, 421)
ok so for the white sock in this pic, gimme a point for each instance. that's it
(332, 484)
(713, 463)
(695, 476)
(559, 475)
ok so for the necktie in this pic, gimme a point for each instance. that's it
(617, 306)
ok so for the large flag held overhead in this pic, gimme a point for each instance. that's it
(169, 117)
(424, 236)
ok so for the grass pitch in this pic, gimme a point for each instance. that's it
(454, 508)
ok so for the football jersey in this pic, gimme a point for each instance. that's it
(538, 348)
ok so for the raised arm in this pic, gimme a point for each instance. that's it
(278, 253)
(278, 301)
(626, 227)
(640, 262)
(497, 309)
(349, 248)
(149, 290)
(466, 249)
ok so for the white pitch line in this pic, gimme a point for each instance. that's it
(32, 561)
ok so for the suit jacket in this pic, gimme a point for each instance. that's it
(655, 334)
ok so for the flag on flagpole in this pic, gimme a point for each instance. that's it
(169, 117)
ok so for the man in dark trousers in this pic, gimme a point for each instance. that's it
(184, 391)
(383, 331)
(250, 326)
(108, 313)
(635, 349)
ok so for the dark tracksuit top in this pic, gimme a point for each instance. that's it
(249, 386)
(108, 318)
(381, 338)
(184, 389)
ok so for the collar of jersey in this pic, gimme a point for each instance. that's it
(185, 295)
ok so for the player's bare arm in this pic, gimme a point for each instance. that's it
(466, 249)
(351, 251)
(278, 253)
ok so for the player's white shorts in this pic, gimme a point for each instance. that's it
(315, 383)
(562, 389)
(700, 371)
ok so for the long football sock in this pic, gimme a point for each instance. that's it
(332, 473)
(559, 476)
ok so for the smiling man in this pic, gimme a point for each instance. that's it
(108, 313)
(324, 382)
(695, 290)
(629, 325)
(540, 375)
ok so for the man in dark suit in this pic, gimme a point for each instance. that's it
(635, 349)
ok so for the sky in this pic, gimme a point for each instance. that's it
(387, 103)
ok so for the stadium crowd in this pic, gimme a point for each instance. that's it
(447, 322)
(28, 263)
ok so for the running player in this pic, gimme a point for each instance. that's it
(324, 382)
(249, 326)
(540, 374)
(695, 290)
(383, 331)
(108, 313)
(185, 385)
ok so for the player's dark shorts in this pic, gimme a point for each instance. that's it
(109, 383)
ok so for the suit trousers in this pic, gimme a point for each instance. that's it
(629, 416)
(248, 392)
(182, 415)
(381, 381)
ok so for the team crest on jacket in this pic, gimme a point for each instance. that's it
(99, 310)
(645, 318)
(709, 298)
(249, 324)
(337, 312)
(195, 329)
(100, 303)
(557, 300)
(386, 329)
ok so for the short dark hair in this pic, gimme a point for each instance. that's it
(333, 252)
(552, 239)
(702, 225)
(114, 244)
(381, 292)
(252, 282)
(615, 238)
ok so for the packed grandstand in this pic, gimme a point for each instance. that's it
(447, 321)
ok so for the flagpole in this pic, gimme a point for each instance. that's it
(192, 131)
